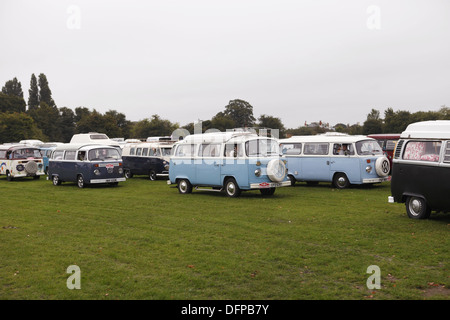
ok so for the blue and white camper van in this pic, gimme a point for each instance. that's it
(229, 161)
(338, 158)
(85, 164)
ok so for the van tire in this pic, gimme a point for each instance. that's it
(128, 174)
(417, 208)
(292, 180)
(80, 181)
(152, 175)
(340, 181)
(231, 188)
(9, 177)
(184, 186)
(56, 181)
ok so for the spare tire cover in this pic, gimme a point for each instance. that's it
(276, 170)
(31, 167)
(382, 166)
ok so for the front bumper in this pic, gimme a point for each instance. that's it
(264, 185)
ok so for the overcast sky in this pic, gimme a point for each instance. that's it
(185, 60)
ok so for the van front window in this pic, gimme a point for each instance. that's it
(368, 147)
(104, 154)
(261, 147)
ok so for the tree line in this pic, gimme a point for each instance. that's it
(40, 118)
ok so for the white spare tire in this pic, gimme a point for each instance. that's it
(31, 167)
(382, 166)
(276, 170)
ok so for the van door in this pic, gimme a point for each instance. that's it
(208, 171)
(343, 160)
(182, 163)
(315, 164)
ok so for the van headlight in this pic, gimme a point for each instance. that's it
(97, 172)
(368, 169)
(120, 171)
(258, 172)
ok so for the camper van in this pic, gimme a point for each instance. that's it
(18, 161)
(231, 161)
(147, 158)
(421, 169)
(85, 164)
(340, 159)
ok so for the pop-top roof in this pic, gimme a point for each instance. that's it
(433, 129)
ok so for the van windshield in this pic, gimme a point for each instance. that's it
(26, 153)
(166, 151)
(261, 147)
(104, 154)
(368, 147)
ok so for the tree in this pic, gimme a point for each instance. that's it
(47, 119)
(153, 127)
(33, 93)
(45, 94)
(18, 126)
(373, 124)
(13, 88)
(271, 122)
(241, 112)
(11, 103)
(223, 122)
(67, 122)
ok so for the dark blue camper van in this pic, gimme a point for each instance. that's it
(85, 164)
(147, 158)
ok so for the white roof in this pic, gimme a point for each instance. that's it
(219, 137)
(433, 129)
(327, 137)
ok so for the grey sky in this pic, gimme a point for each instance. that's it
(184, 60)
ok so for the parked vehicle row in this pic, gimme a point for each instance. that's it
(241, 160)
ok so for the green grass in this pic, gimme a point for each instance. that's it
(143, 240)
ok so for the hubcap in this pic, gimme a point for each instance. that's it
(415, 206)
(183, 186)
(231, 188)
(341, 182)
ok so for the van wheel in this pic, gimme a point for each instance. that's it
(152, 175)
(268, 191)
(9, 177)
(232, 189)
(56, 181)
(184, 186)
(417, 208)
(340, 181)
(80, 181)
(128, 174)
(292, 179)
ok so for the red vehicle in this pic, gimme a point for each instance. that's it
(387, 141)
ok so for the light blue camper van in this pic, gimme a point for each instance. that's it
(337, 158)
(229, 161)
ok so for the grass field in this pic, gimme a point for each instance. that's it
(143, 240)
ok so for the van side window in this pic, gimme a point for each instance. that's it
(58, 155)
(138, 151)
(422, 151)
(81, 155)
(131, 151)
(185, 150)
(3, 154)
(70, 155)
(209, 150)
(345, 149)
(447, 153)
(291, 149)
(316, 148)
(145, 152)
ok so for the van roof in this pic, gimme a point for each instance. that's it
(78, 146)
(219, 137)
(330, 137)
(432, 129)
